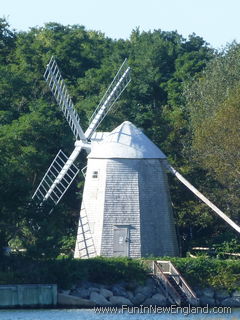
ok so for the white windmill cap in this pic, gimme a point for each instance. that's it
(126, 142)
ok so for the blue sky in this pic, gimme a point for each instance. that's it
(217, 21)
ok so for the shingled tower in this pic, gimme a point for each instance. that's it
(126, 202)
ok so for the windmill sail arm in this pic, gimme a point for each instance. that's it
(203, 198)
(63, 172)
(58, 177)
(118, 85)
(56, 83)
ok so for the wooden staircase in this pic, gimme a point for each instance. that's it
(173, 285)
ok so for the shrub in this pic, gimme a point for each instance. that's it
(67, 271)
(207, 272)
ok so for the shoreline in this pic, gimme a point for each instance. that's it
(90, 295)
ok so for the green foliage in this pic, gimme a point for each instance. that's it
(67, 271)
(7, 40)
(33, 129)
(203, 272)
(213, 103)
(222, 249)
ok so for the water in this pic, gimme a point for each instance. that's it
(83, 314)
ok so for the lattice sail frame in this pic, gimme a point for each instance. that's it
(50, 176)
(50, 182)
(117, 86)
(56, 83)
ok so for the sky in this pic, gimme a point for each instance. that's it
(216, 21)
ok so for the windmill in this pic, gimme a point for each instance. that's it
(126, 207)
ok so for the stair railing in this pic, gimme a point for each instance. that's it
(168, 290)
(168, 268)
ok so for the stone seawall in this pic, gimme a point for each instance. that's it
(214, 297)
(92, 294)
(89, 295)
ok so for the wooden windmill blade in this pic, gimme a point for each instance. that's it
(56, 83)
(62, 170)
(117, 86)
(55, 185)
(58, 178)
(202, 197)
(51, 186)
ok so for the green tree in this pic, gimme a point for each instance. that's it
(213, 104)
(7, 40)
(33, 128)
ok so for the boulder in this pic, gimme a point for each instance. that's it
(93, 289)
(207, 301)
(138, 299)
(118, 290)
(65, 291)
(130, 295)
(145, 290)
(132, 285)
(222, 294)
(120, 301)
(198, 292)
(99, 299)
(150, 282)
(156, 300)
(106, 293)
(68, 300)
(208, 292)
(236, 293)
(81, 292)
(233, 302)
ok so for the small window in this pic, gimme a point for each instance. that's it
(95, 174)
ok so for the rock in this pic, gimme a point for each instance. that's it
(138, 298)
(231, 302)
(150, 282)
(106, 293)
(218, 302)
(207, 301)
(118, 290)
(156, 300)
(222, 294)
(236, 293)
(158, 290)
(74, 287)
(194, 302)
(93, 289)
(68, 300)
(120, 301)
(82, 292)
(145, 290)
(130, 295)
(73, 292)
(99, 300)
(198, 292)
(65, 291)
(132, 285)
(208, 292)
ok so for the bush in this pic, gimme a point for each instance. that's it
(206, 272)
(67, 271)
